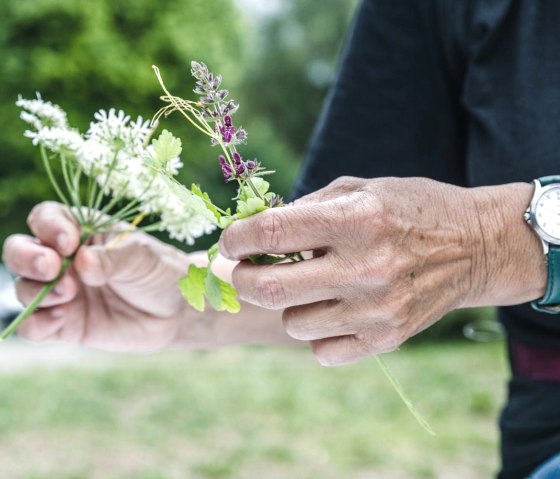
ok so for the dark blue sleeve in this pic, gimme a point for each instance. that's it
(393, 109)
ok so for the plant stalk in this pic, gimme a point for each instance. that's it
(43, 293)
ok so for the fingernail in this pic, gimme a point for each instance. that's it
(56, 313)
(62, 242)
(222, 248)
(40, 265)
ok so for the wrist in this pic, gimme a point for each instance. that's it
(510, 264)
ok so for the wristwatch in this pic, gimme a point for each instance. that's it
(543, 214)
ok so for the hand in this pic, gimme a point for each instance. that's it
(121, 299)
(391, 257)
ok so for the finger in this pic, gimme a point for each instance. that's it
(283, 285)
(43, 325)
(325, 319)
(90, 268)
(339, 351)
(24, 256)
(54, 226)
(281, 230)
(63, 292)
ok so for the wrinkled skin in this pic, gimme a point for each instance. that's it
(110, 299)
(391, 257)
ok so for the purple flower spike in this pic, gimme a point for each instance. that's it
(240, 168)
(227, 170)
(251, 164)
(227, 136)
(228, 130)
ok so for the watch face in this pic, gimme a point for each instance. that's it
(547, 212)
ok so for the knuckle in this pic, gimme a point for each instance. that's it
(269, 232)
(346, 183)
(270, 292)
(39, 211)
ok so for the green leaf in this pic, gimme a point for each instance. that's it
(166, 147)
(201, 283)
(250, 207)
(246, 192)
(192, 286)
(195, 190)
(261, 185)
(221, 295)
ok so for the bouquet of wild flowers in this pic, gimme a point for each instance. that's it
(116, 179)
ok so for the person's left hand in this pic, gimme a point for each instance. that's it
(390, 257)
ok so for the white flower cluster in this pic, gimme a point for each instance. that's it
(114, 151)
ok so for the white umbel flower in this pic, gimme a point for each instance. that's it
(39, 113)
(113, 152)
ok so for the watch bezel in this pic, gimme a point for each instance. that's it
(531, 211)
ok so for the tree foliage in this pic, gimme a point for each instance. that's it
(98, 54)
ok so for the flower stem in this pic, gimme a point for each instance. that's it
(400, 391)
(42, 294)
(52, 178)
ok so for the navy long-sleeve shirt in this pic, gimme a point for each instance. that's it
(465, 92)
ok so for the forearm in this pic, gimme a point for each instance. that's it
(509, 266)
(212, 329)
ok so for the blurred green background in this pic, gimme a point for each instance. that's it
(277, 61)
(245, 412)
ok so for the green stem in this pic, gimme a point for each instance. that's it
(52, 179)
(91, 193)
(99, 198)
(74, 195)
(257, 194)
(400, 391)
(42, 294)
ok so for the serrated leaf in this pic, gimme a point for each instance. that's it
(201, 283)
(221, 295)
(166, 147)
(193, 286)
(195, 190)
(250, 207)
(246, 192)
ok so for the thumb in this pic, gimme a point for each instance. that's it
(96, 265)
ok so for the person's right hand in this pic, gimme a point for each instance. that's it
(122, 299)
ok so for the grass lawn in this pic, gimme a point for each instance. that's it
(253, 413)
